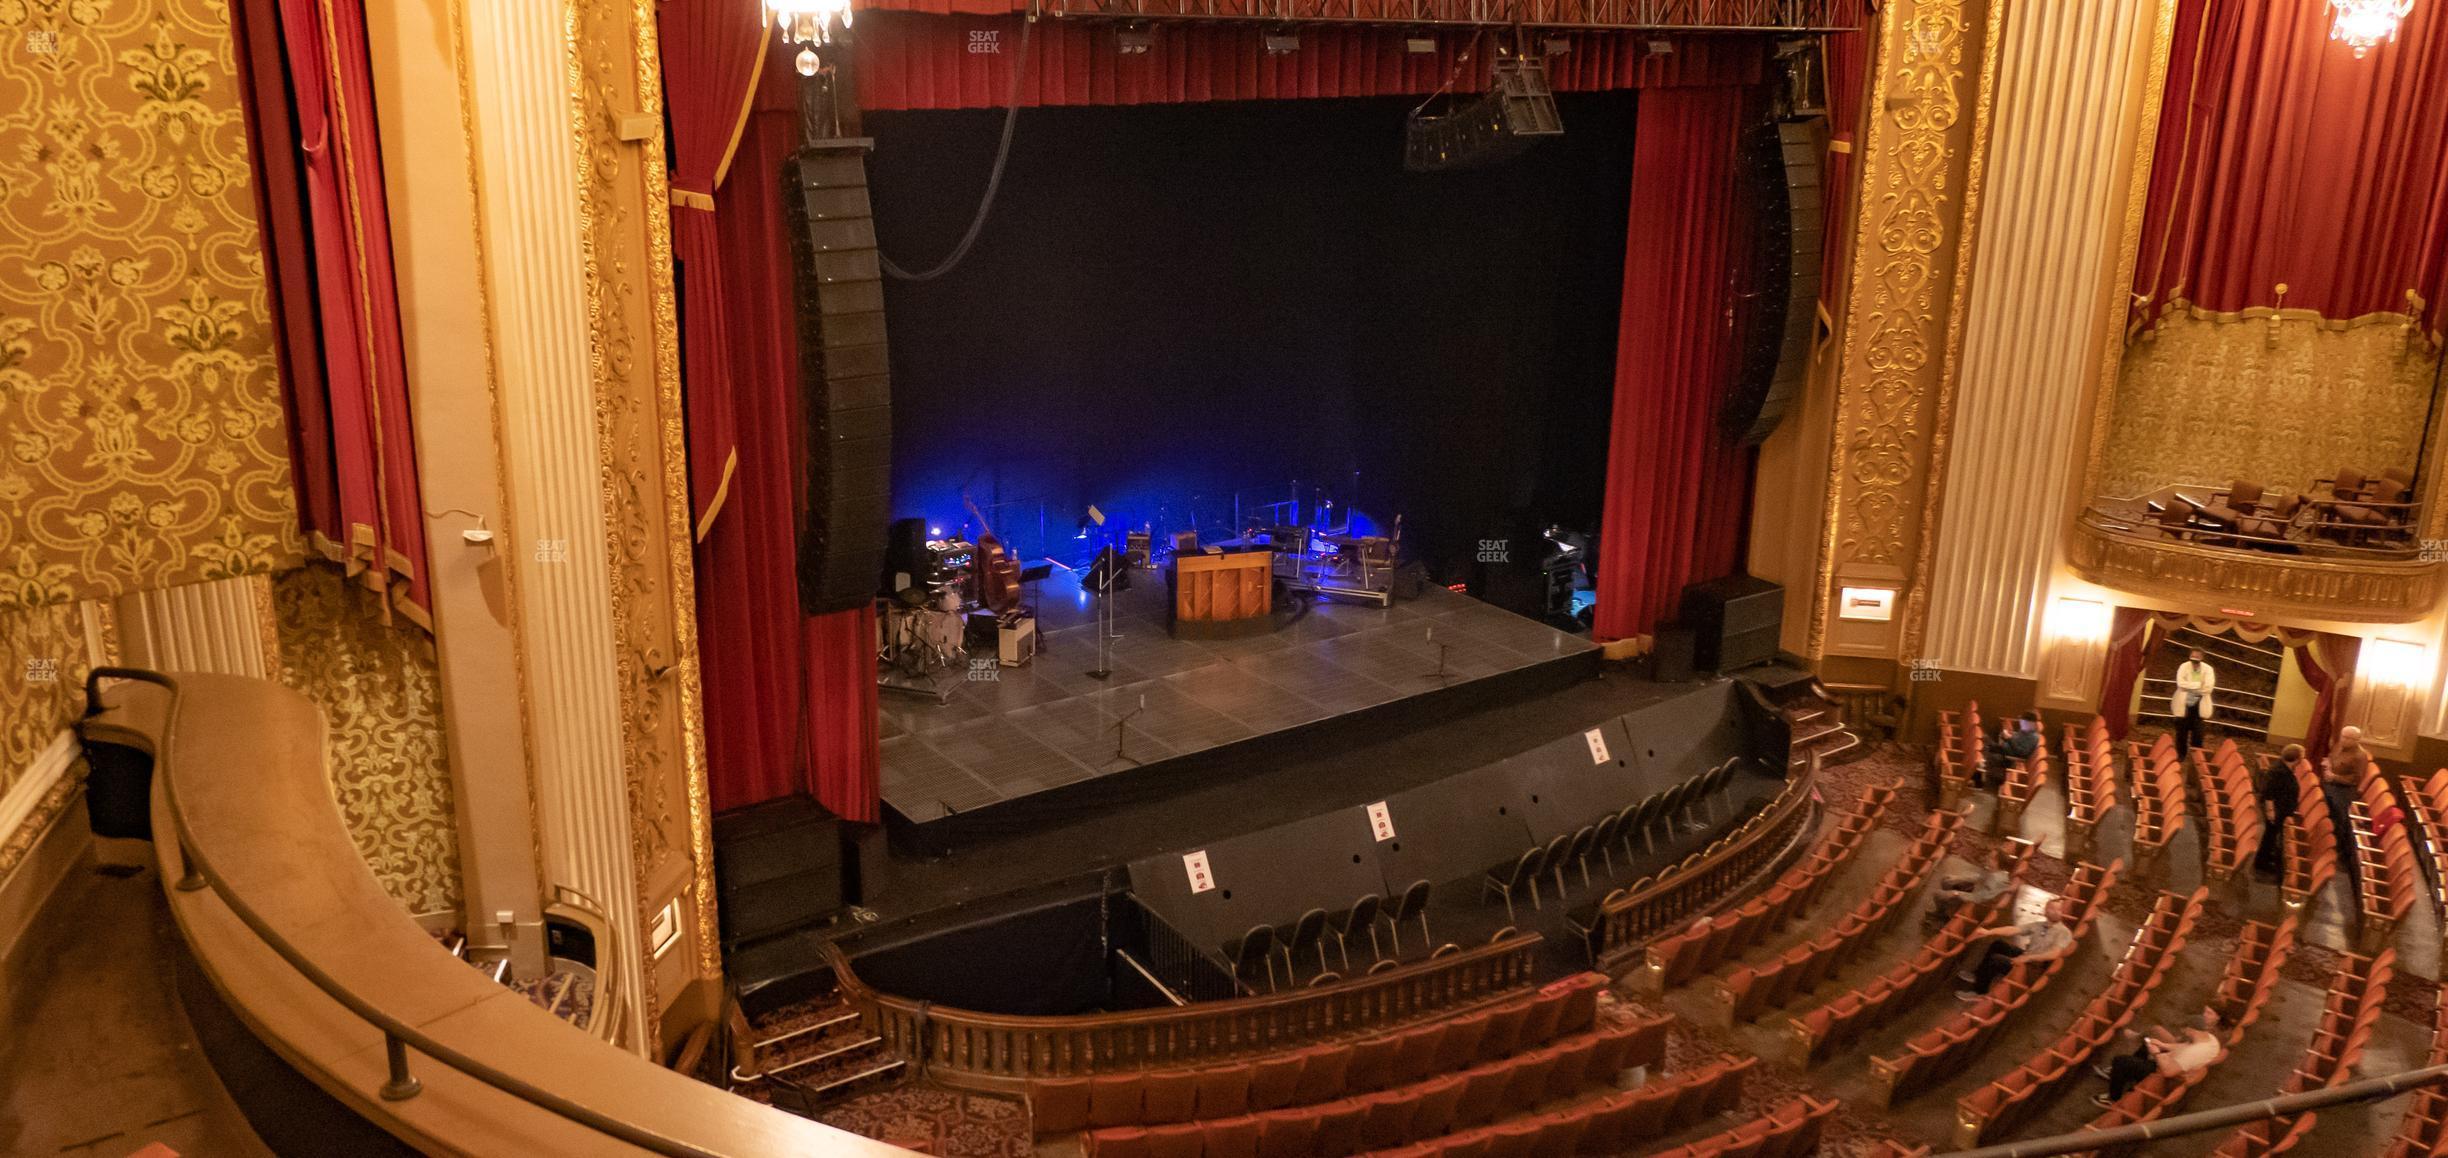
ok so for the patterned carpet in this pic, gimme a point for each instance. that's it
(930, 1119)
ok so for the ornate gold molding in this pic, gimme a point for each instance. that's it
(1920, 174)
(2271, 585)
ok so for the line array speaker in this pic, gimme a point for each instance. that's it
(1780, 293)
(1498, 125)
(844, 374)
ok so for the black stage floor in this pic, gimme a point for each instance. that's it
(1024, 745)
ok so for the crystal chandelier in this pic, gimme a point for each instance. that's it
(2365, 23)
(808, 24)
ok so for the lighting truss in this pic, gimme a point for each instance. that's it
(1628, 15)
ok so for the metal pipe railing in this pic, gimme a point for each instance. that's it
(2204, 1121)
(197, 873)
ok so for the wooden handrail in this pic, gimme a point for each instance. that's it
(995, 1051)
(1716, 876)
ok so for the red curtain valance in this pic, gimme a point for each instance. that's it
(910, 60)
(2284, 158)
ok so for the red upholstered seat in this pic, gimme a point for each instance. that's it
(1273, 1080)
(1371, 1066)
(1323, 1070)
(1517, 1139)
(1114, 1099)
(1288, 1133)
(1223, 1091)
(1460, 1047)
(1169, 1096)
(1058, 1106)
(1182, 1140)
(1579, 1006)
(1607, 1119)
(1416, 1053)
(1529, 1085)
(1388, 1122)
(1572, 1066)
(1338, 1130)
(1561, 1133)
(1503, 1030)
(1539, 1025)
(1231, 1137)
(1434, 1105)
(1472, 1145)
(1119, 1142)
(1483, 1095)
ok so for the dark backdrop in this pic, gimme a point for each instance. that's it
(1175, 301)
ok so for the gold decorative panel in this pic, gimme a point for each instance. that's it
(140, 404)
(2280, 401)
(1921, 175)
(43, 662)
(2268, 585)
(381, 699)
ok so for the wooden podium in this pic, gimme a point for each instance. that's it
(1223, 595)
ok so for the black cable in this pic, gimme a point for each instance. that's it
(994, 179)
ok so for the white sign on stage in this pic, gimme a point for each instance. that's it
(1597, 743)
(1381, 821)
(1202, 878)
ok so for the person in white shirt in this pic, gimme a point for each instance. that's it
(2162, 1052)
(2195, 680)
(2042, 940)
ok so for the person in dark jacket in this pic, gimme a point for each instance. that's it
(2279, 797)
(2016, 740)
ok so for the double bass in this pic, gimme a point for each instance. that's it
(998, 574)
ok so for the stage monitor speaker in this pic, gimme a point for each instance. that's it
(1779, 299)
(778, 866)
(1736, 621)
(845, 377)
(1670, 656)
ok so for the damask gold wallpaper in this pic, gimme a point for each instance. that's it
(381, 696)
(2206, 400)
(139, 398)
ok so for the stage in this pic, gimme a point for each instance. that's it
(1007, 747)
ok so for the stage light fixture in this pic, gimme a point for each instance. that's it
(1661, 48)
(1134, 41)
(1558, 45)
(1282, 43)
(1420, 45)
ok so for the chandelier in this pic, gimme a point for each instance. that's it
(808, 24)
(2365, 23)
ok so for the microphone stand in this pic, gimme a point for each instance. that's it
(1122, 733)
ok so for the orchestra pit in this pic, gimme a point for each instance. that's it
(1224, 579)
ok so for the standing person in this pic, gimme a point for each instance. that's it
(2341, 785)
(2195, 680)
(2280, 795)
(2161, 1052)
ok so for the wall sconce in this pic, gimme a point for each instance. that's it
(2078, 620)
(2396, 663)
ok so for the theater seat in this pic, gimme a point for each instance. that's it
(1119, 1142)
(1338, 1130)
(1388, 1120)
(1437, 1099)
(1058, 1106)
(1371, 1066)
(1168, 1096)
(1273, 1081)
(1322, 1076)
(1231, 1137)
(1460, 1045)
(1504, 1030)
(1288, 1133)
(1223, 1091)
(1114, 1100)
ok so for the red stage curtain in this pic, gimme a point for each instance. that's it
(790, 701)
(327, 241)
(911, 61)
(2327, 661)
(1677, 488)
(712, 53)
(2129, 642)
(1847, 57)
(2282, 158)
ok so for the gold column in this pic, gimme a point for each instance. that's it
(1923, 158)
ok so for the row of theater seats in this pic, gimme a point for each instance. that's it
(1638, 820)
(2389, 879)
(1560, 1014)
(1957, 758)
(2091, 782)
(2244, 991)
(2311, 844)
(2023, 779)
(1613, 1124)
(1819, 1034)
(1788, 1131)
(2231, 810)
(1752, 990)
(1946, 1047)
(2159, 795)
(1999, 1108)
(2347, 1019)
(2423, 1131)
(2428, 801)
(1674, 960)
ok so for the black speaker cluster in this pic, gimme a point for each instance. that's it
(1778, 300)
(1496, 126)
(845, 377)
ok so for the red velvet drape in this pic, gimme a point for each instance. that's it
(1847, 57)
(309, 94)
(713, 51)
(2327, 661)
(2283, 158)
(2129, 640)
(1677, 487)
(911, 61)
(789, 700)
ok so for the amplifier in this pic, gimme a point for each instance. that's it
(1736, 621)
(778, 866)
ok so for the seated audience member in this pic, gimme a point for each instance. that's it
(2279, 797)
(2161, 1052)
(2017, 739)
(1974, 888)
(2043, 940)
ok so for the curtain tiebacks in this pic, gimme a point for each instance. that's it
(692, 199)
